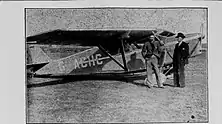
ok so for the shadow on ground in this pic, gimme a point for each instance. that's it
(126, 78)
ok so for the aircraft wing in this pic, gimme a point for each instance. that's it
(88, 37)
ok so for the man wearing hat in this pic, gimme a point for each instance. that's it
(151, 54)
(180, 58)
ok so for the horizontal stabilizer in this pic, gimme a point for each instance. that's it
(35, 67)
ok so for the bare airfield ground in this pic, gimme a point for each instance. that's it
(116, 101)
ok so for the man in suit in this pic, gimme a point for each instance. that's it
(151, 54)
(180, 58)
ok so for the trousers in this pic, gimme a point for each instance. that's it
(179, 75)
(152, 67)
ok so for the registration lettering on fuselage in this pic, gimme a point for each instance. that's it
(88, 61)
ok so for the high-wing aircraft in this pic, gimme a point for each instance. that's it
(99, 52)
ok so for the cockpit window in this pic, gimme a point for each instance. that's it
(166, 34)
(154, 31)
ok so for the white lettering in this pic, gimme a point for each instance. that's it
(76, 64)
(93, 60)
(88, 61)
(88, 58)
(61, 66)
(97, 59)
(83, 64)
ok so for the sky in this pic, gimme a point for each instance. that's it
(186, 20)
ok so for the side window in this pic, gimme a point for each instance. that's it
(166, 34)
(170, 34)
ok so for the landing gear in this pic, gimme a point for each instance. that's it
(168, 71)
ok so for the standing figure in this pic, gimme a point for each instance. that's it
(151, 54)
(180, 58)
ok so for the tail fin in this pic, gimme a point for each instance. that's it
(202, 36)
(199, 46)
(35, 54)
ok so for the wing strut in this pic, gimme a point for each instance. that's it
(122, 50)
(169, 54)
(192, 51)
(104, 51)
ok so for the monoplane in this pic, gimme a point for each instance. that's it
(116, 53)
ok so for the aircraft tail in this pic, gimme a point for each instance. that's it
(35, 55)
(31, 68)
(202, 37)
(198, 48)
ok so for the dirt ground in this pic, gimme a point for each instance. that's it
(116, 101)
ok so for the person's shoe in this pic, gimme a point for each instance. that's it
(161, 87)
(176, 86)
(146, 82)
(149, 85)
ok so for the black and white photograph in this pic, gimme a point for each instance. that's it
(116, 65)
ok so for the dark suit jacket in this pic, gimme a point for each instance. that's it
(147, 50)
(181, 54)
(150, 49)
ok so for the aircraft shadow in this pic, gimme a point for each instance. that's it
(48, 83)
(127, 79)
(170, 85)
